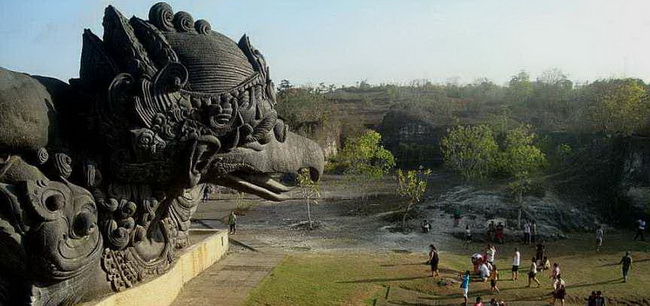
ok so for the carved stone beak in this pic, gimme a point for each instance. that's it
(248, 168)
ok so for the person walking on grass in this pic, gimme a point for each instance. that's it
(433, 260)
(559, 294)
(516, 260)
(494, 277)
(232, 223)
(600, 233)
(532, 273)
(640, 229)
(465, 285)
(626, 263)
(555, 275)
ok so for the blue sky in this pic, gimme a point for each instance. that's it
(345, 41)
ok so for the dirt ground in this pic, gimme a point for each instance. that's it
(346, 218)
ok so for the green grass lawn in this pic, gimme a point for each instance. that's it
(354, 279)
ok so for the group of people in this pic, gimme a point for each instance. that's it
(530, 231)
(495, 232)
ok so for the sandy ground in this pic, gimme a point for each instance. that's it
(344, 221)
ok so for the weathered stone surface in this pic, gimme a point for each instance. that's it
(23, 119)
(99, 178)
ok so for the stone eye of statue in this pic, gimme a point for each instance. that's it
(55, 202)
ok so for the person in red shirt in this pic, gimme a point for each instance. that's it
(479, 302)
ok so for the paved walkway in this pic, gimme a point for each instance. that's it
(230, 280)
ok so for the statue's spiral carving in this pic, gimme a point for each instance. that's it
(162, 15)
(202, 26)
(42, 156)
(183, 21)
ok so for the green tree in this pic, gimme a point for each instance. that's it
(302, 108)
(618, 105)
(364, 155)
(412, 185)
(520, 89)
(365, 159)
(520, 158)
(470, 150)
(309, 191)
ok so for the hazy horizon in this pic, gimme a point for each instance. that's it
(343, 42)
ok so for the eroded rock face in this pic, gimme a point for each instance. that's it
(99, 179)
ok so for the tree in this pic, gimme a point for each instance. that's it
(364, 155)
(365, 158)
(309, 190)
(618, 105)
(520, 158)
(520, 89)
(470, 150)
(412, 185)
(302, 108)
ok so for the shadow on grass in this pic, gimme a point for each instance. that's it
(407, 264)
(379, 280)
(617, 264)
(612, 281)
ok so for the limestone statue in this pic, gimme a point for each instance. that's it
(99, 178)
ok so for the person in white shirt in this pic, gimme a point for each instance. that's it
(491, 253)
(532, 273)
(600, 233)
(484, 271)
(516, 261)
(640, 230)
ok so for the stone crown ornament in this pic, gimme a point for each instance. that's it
(99, 178)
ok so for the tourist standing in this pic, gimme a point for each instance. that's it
(468, 236)
(533, 231)
(626, 263)
(491, 253)
(426, 226)
(206, 192)
(526, 232)
(491, 231)
(456, 217)
(540, 249)
(516, 260)
(232, 223)
(465, 285)
(532, 273)
(433, 260)
(600, 233)
(500, 229)
(640, 229)
(494, 277)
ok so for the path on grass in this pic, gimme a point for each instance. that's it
(230, 280)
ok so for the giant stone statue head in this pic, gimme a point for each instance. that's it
(99, 178)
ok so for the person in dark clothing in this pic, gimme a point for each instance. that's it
(640, 229)
(426, 226)
(456, 217)
(499, 232)
(626, 263)
(559, 294)
(540, 248)
(433, 260)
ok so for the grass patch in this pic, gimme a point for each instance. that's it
(353, 279)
